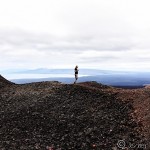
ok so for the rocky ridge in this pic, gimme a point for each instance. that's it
(4, 82)
(84, 116)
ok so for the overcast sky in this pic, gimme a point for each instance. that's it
(102, 34)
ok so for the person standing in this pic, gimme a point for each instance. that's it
(76, 70)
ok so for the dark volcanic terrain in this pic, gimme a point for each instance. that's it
(84, 116)
(4, 82)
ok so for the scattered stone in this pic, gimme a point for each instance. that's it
(56, 116)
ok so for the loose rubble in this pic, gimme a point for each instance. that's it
(55, 116)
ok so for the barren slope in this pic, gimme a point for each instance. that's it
(85, 116)
(4, 82)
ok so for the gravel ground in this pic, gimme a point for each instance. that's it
(85, 116)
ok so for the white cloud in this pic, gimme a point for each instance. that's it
(101, 34)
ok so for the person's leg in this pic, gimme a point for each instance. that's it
(76, 78)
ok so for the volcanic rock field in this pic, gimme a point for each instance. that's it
(82, 116)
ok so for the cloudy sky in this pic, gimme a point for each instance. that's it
(101, 34)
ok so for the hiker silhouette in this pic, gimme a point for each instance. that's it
(76, 70)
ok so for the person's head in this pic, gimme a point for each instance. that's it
(76, 66)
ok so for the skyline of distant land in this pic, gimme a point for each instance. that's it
(108, 77)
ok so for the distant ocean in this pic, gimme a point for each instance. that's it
(37, 76)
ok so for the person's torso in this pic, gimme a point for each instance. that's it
(76, 71)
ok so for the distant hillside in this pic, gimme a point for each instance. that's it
(84, 116)
(113, 80)
(65, 71)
